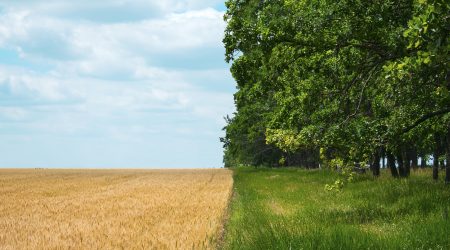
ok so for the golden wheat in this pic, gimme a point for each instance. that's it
(112, 209)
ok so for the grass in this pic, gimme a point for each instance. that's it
(289, 209)
(112, 209)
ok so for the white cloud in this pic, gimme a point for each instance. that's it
(42, 36)
(12, 113)
(111, 10)
(127, 77)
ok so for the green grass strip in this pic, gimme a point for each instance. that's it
(289, 209)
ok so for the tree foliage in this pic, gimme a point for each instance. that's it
(349, 80)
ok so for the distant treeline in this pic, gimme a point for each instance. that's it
(339, 83)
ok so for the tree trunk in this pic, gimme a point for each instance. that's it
(391, 164)
(401, 168)
(435, 166)
(406, 163)
(447, 169)
(423, 161)
(441, 151)
(375, 166)
(414, 159)
(436, 157)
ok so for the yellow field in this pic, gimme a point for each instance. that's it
(112, 209)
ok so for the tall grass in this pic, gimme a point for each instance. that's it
(289, 209)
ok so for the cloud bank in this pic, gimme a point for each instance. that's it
(112, 83)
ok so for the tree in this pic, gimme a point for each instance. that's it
(349, 79)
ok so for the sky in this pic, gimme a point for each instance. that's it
(113, 84)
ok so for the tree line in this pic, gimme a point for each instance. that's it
(351, 82)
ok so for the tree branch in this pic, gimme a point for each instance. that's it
(424, 118)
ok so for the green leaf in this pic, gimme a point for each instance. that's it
(417, 44)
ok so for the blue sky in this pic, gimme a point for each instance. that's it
(112, 84)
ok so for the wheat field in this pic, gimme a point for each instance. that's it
(112, 209)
